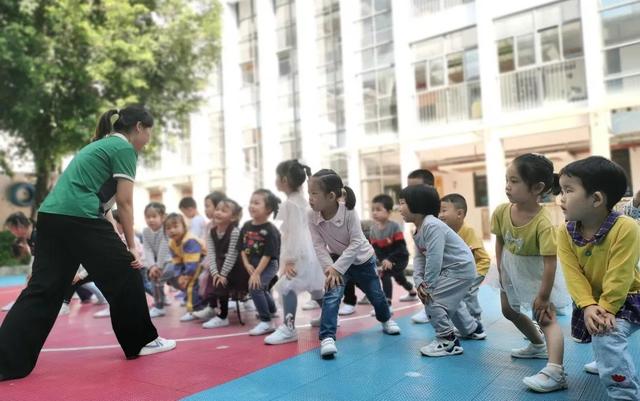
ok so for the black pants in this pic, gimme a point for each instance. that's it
(63, 243)
(68, 294)
(397, 272)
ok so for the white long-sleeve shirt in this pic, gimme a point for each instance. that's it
(341, 235)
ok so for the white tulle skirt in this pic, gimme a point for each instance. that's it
(309, 277)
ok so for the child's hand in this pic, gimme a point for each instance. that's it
(255, 282)
(183, 281)
(155, 273)
(595, 319)
(543, 310)
(386, 265)
(290, 270)
(219, 280)
(334, 278)
(609, 322)
(424, 296)
(136, 263)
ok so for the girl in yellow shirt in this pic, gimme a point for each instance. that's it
(526, 259)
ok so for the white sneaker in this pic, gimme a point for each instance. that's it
(390, 327)
(64, 309)
(364, 301)
(315, 322)
(232, 305)
(262, 328)
(328, 348)
(167, 302)
(249, 305)
(8, 306)
(187, 317)
(310, 305)
(591, 367)
(420, 317)
(346, 310)
(409, 298)
(205, 314)
(273, 315)
(215, 323)
(442, 347)
(106, 312)
(547, 380)
(158, 345)
(531, 351)
(282, 335)
(156, 312)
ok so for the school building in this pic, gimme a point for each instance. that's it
(377, 88)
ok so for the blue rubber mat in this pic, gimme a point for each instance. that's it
(9, 281)
(374, 366)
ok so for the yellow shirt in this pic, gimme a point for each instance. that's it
(480, 254)
(605, 273)
(537, 237)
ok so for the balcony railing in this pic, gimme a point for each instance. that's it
(451, 103)
(421, 7)
(545, 85)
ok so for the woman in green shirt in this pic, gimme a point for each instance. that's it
(72, 230)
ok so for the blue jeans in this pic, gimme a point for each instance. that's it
(262, 298)
(615, 366)
(365, 277)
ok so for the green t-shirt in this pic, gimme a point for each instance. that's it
(537, 237)
(88, 186)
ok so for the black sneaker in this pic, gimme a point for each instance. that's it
(478, 334)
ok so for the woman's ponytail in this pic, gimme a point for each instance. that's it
(104, 126)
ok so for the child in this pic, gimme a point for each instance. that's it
(335, 229)
(196, 223)
(156, 256)
(300, 270)
(453, 210)
(443, 271)
(392, 256)
(598, 250)
(186, 254)
(227, 272)
(526, 259)
(260, 246)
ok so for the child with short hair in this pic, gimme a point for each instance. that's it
(336, 231)
(526, 260)
(195, 222)
(187, 251)
(453, 210)
(155, 245)
(598, 250)
(443, 271)
(260, 251)
(387, 239)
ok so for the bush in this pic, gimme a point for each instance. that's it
(6, 258)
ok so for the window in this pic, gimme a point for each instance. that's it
(621, 36)
(572, 40)
(549, 44)
(480, 191)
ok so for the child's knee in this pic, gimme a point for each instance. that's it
(508, 312)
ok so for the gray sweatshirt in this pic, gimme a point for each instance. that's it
(440, 252)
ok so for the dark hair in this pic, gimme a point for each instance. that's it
(534, 168)
(236, 209)
(187, 202)
(172, 218)
(271, 201)
(425, 175)
(421, 199)
(330, 182)
(126, 121)
(294, 172)
(599, 174)
(17, 219)
(16, 247)
(215, 197)
(385, 200)
(116, 215)
(156, 207)
(458, 201)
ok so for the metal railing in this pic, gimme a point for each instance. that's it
(451, 103)
(421, 7)
(544, 85)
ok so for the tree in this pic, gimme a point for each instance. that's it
(65, 62)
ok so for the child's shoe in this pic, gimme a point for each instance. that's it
(156, 312)
(328, 348)
(158, 345)
(390, 327)
(531, 351)
(409, 297)
(550, 378)
(106, 312)
(64, 309)
(364, 301)
(346, 310)
(310, 305)
(205, 314)
(478, 334)
(591, 367)
(249, 305)
(8, 306)
(420, 317)
(262, 328)
(215, 323)
(282, 335)
(187, 317)
(315, 322)
(442, 347)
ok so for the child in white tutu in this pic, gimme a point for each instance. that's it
(526, 259)
(299, 266)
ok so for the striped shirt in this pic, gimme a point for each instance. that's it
(156, 248)
(230, 258)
